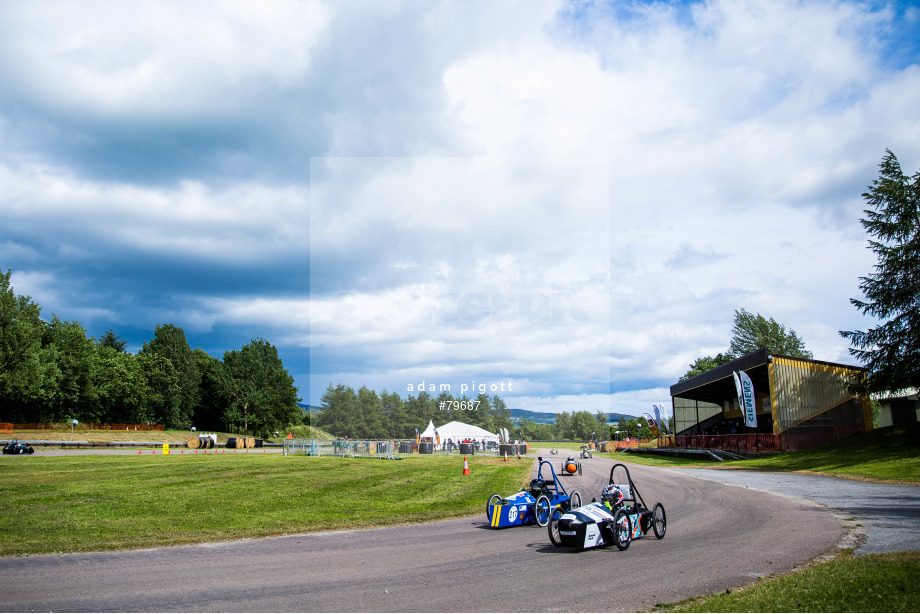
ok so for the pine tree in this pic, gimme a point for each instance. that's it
(891, 351)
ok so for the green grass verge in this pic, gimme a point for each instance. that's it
(658, 460)
(890, 454)
(870, 583)
(90, 503)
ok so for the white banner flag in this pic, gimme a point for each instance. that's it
(745, 389)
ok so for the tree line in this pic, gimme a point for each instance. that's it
(365, 414)
(575, 426)
(52, 372)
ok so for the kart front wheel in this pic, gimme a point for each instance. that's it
(553, 527)
(574, 500)
(495, 499)
(622, 527)
(542, 509)
(659, 521)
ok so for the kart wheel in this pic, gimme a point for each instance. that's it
(574, 500)
(542, 509)
(622, 526)
(493, 500)
(659, 521)
(553, 527)
(579, 468)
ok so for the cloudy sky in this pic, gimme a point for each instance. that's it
(561, 202)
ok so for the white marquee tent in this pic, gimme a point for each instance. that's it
(458, 431)
(429, 432)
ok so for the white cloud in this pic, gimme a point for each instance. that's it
(242, 222)
(158, 59)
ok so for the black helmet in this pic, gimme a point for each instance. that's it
(537, 485)
(612, 495)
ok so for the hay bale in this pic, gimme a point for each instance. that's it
(193, 443)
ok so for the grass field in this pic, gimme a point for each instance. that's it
(871, 583)
(90, 503)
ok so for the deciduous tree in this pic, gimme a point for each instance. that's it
(262, 394)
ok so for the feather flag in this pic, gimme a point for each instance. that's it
(652, 424)
(745, 388)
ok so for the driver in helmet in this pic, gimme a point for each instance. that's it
(612, 497)
(537, 487)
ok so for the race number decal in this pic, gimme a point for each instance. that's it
(512, 513)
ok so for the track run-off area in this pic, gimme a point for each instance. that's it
(718, 536)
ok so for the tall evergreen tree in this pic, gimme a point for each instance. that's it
(339, 414)
(891, 351)
(110, 339)
(371, 423)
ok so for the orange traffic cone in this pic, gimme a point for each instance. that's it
(506, 456)
(466, 467)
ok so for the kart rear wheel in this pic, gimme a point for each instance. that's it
(622, 527)
(495, 499)
(574, 500)
(542, 509)
(579, 468)
(553, 527)
(659, 521)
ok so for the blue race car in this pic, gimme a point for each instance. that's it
(532, 504)
(620, 517)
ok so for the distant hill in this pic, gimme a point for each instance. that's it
(541, 417)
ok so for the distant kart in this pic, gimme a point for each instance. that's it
(595, 524)
(570, 466)
(585, 452)
(533, 504)
(14, 447)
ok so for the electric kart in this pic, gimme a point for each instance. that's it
(14, 447)
(533, 504)
(570, 466)
(619, 518)
(585, 452)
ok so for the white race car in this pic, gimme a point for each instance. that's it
(620, 517)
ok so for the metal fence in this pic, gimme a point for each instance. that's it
(340, 447)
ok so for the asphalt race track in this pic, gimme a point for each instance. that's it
(718, 536)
